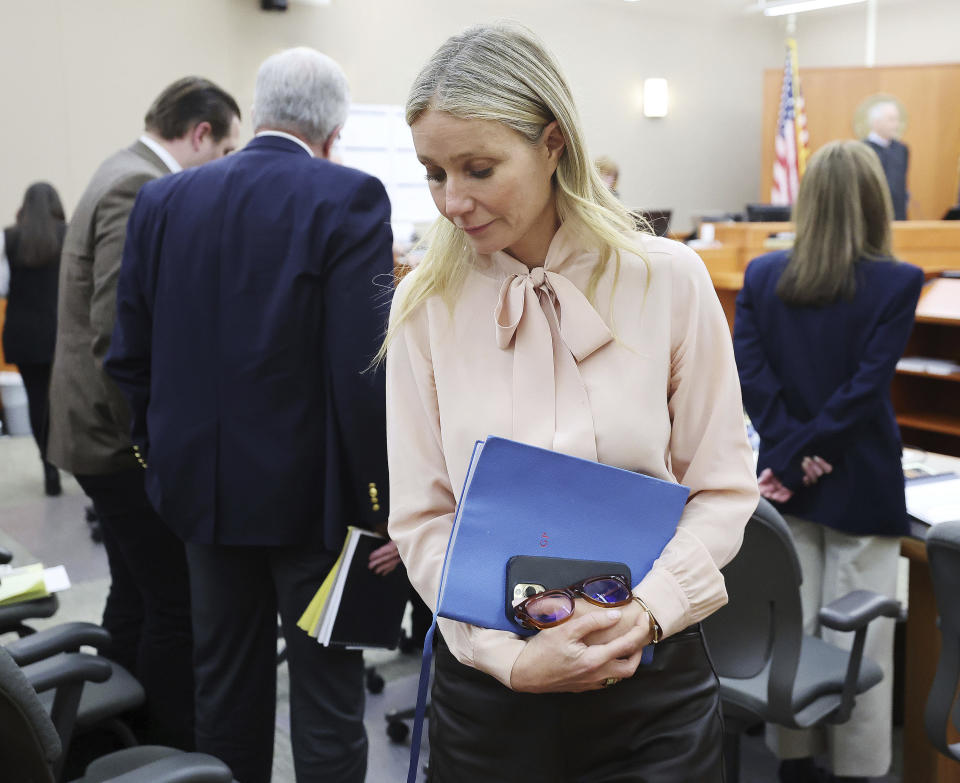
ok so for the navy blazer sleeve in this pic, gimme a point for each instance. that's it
(128, 359)
(358, 284)
(762, 391)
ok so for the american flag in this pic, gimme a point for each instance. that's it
(791, 144)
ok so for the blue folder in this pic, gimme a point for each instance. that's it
(523, 500)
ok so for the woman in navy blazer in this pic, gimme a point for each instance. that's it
(818, 333)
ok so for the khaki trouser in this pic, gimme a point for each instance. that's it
(833, 564)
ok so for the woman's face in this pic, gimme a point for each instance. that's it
(488, 180)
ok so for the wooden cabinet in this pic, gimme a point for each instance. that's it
(928, 403)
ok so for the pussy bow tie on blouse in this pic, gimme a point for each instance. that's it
(552, 327)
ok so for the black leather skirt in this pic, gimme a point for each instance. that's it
(663, 725)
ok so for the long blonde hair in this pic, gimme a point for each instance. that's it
(501, 72)
(843, 214)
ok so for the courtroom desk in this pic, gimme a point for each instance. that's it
(722, 262)
(933, 245)
(747, 239)
(921, 761)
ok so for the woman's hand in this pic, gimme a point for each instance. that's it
(633, 614)
(772, 488)
(813, 469)
(384, 559)
(559, 659)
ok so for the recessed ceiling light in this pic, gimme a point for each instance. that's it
(799, 6)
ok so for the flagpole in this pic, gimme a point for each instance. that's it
(800, 112)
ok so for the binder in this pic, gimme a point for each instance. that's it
(524, 500)
(519, 499)
(354, 606)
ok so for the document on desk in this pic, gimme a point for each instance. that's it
(934, 499)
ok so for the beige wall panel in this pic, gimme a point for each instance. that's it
(931, 97)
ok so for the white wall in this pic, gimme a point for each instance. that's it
(76, 76)
(909, 32)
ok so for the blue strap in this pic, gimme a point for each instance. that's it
(421, 701)
(428, 639)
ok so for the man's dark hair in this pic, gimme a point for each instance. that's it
(189, 101)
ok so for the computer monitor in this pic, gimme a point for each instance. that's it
(657, 219)
(768, 213)
(953, 213)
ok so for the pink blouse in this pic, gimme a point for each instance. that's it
(646, 382)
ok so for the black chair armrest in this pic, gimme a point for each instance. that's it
(181, 768)
(5, 555)
(67, 637)
(854, 610)
(65, 669)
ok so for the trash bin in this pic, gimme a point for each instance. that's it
(13, 396)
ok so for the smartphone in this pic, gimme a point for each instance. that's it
(528, 575)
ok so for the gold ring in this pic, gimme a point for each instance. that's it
(610, 681)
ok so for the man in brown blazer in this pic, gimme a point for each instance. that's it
(148, 608)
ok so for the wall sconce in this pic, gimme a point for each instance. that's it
(655, 97)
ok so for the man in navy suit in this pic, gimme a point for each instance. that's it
(251, 301)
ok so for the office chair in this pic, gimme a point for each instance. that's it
(769, 669)
(13, 616)
(943, 705)
(31, 743)
(103, 702)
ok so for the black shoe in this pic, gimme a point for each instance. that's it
(96, 532)
(801, 771)
(51, 480)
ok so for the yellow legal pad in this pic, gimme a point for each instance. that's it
(23, 584)
(310, 620)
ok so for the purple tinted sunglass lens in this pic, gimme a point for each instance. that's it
(549, 608)
(606, 591)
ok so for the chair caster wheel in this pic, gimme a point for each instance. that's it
(406, 644)
(397, 732)
(374, 682)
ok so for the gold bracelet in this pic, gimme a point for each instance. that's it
(655, 628)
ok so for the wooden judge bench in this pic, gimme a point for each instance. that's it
(928, 412)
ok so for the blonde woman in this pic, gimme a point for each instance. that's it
(818, 333)
(538, 314)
